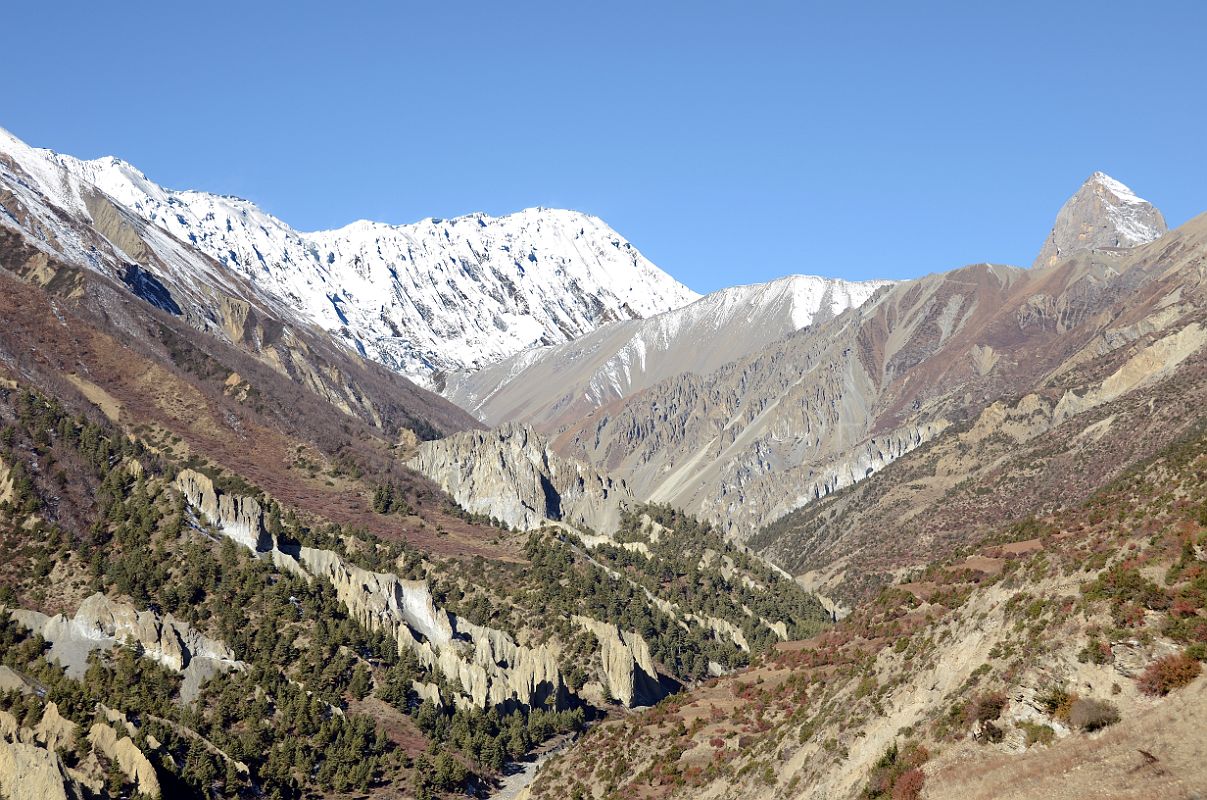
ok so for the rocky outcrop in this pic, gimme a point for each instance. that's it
(512, 474)
(1102, 214)
(487, 664)
(29, 772)
(53, 730)
(240, 518)
(101, 623)
(629, 674)
(123, 752)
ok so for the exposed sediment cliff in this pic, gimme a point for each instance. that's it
(511, 474)
(488, 666)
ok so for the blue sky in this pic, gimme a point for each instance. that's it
(731, 142)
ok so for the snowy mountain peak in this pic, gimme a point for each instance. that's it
(1122, 192)
(1104, 213)
(434, 296)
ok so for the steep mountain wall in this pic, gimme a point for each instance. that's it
(511, 474)
(434, 296)
(550, 387)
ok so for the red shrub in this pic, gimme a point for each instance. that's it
(909, 785)
(1168, 673)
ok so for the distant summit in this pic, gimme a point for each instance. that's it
(1103, 213)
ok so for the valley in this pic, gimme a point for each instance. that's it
(394, 510)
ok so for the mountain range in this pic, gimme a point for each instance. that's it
(394, 511)
(435, 296)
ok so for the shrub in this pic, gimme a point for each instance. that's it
(1168, 673)
(1037, 733)
(986, 707)
(1092, 715)
(1057, 701)
(1096, 651)
(897, 773)
(909, 785)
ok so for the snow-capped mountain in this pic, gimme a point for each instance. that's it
(1103, 213)
(548, 386)
(434, 296)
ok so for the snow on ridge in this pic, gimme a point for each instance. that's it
(726, 312)
(432, 296)
(1120, 190)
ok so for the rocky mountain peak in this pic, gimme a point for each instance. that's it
(1104, 213)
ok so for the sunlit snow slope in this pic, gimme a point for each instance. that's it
(434, 296)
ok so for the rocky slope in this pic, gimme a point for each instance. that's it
(1103, 214)
(101, 260)
(434, 296)
(829, 405)
(552, 386)
(1135, 383)
(373, 634)
(34, 759)
(510, 474)
(1060, 657)
(101, 624)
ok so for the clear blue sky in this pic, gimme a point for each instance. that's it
(731, 142)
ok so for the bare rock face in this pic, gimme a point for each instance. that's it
(29, 772)
(628, 668)
(136, 767)
(102, 623)
(512, 474)
(488, 665)
(1102, 214)
(240, 518)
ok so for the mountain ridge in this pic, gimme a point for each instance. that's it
(435, 295)
(552, 386)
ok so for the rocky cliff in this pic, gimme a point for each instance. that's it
(629, 674)
(240, 518)
(31, 767)
(488, 666)
(102, 623)
(511, 474)
(1102, 214)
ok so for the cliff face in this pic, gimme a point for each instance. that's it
(102, 623)
(512, 474)
(489, 666)
(1102, 214)
(29, 772)
(32, 769)
(240, 518)
(629, 673)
